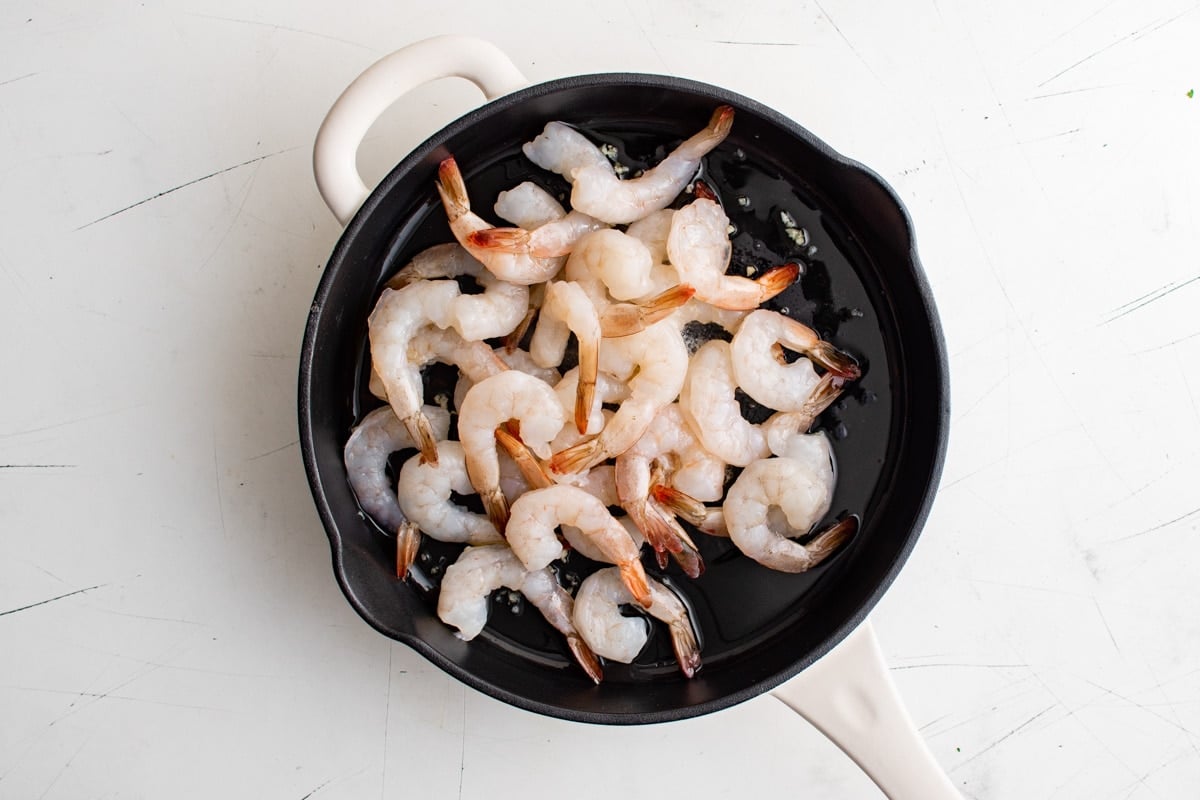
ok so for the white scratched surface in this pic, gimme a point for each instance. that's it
(169, 624)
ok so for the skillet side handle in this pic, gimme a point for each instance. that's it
(849, 696)
(386, 81)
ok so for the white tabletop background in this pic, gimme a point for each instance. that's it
(169, 624)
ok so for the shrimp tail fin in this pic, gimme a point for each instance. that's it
(828, 389)
(704, 191)
(625, 319)
(585, 657)
(421, 431)
(687, 650)
(713, 134)
(834, 360)
(776, 279)
(452, 189)
(496, 507)
(577, 457)
(829, 540)
(634, 577)
(680, 504)
(666, 535)
(408, 541)
(585, 390)
(513, 340)
(532, 470)
(721, 122)
(507, 240)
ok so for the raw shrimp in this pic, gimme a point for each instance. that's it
(619, 261)
(611, 634)
(556, 238)
(510, 395)
(710, 406)
(366, 454)
(479, 571)
(495, 312)
(397, 317)
(654, 362)
(624, 319)
(511, 359)
(424, 491)
(536, 515)
(699, 247)
(528, 206)
(474, 359)
(783, 386)
(608, 390)
(515, 268)
(568, 309)
(598, 191)
(801, 487)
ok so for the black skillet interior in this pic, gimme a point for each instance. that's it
(862, 288)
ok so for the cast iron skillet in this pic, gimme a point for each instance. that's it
(863, 288)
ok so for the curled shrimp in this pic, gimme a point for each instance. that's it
(479, 571)
(515, 268)
(397, 317)
(495, 312)
(783, 386)
(799, 485)
(366, 454)
(654, 362)
(501, 359)
(510, 395)
(699, 247)
(619, 261)
(425, 490)
(708, 402)
(613, 635)
(568, 309)
(556, 238)
(608, 390)
(596, 188)
(536, 514)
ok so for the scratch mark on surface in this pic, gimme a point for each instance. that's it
(1051, 136)
(52, 599)
(1142, 706)
(1020, 727)
(1070, 91)
(1158, 527)
(1147, 299)
(319, 788)
(78, 750)
(1138, 34)
(948, 664)
(38, 466)
(111, 696)
(853, 49)
(273, 452)
(18, 78)
(387, 720)
(187, 184)
(1104, 619)
(462, 753)
(1156, 348)
(66, 422)
(757, 44)
(217, 481)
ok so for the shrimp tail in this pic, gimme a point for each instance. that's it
(666, 535)
(776, 279)
(513, 340)
(585, 657)
(634, 577)
(408, 541)
(452, 189)
(687, 650)
(508, 240)
(496, 507)
(834, 360)
(704, 191)
(532, 470)
(625, 319)
(680, 504)
(829, 540)
(585, 390)
(828, 389)
(422, 433)
(578, 457)
(713, 134)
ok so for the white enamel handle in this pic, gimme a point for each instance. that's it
(386, 81)
(849, 696)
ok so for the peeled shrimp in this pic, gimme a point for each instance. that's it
(397, 317)
(801, 487)
(556, 238)
(710, 406)
(568, 309)
(515, 268)
(511, 359)
(479, 571)
(611, 634)
(608, 390)
(782, 386)
(366, 453)
(536, 514)
(598, 191)
(510, 395)
(495, 312)
(424, 491)
(654, 362)
(699, 248)
(528, 206)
